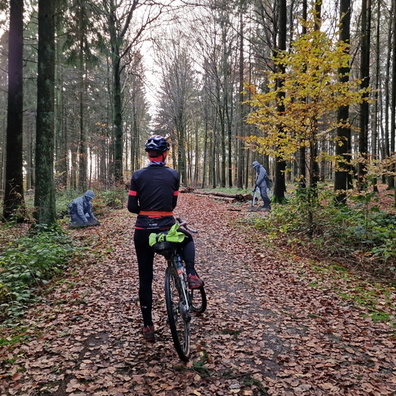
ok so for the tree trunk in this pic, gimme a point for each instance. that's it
(377, 102)
(388, 89)
(181, 152)
(230, 145)
(44, 199)
(302, 176)
(118, 134)
(342, 180)
(240, 161)
(206, 146)
(393, 101)
(13, 195)
(280, 164)
(61, 140)
(364, 107)
(313, 150)
(223, 144)
(83, 152)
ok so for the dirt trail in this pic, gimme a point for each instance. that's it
(266, 330)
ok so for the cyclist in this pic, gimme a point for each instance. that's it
(153, 196)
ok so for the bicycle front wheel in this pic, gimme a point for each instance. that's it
(178, 316)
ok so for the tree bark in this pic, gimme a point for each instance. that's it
(83, 151)
(240, 160)
(393, 95)
(389, 146)
(13, 194)
(280, 164)
(44, 199)
(377, 103)
(302, 176)
(364, 107)
(342, 180)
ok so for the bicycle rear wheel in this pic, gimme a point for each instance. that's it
(198, 300)
(178, 315)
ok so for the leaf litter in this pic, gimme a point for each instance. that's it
(266, 331)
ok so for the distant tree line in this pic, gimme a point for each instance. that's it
(84, 83)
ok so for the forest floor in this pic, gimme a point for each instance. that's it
(275, 324)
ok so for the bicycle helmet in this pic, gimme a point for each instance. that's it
(157, 143)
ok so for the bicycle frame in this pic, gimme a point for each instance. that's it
(178, 302)
(175, 260)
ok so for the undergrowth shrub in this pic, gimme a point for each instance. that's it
(28, 263)
(114, 199)
(359, 228)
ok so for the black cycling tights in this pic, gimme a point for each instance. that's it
(145, 256)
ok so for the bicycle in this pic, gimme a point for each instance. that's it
(181, 302)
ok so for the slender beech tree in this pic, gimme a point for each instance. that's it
(376, 85)
(393, 94)
(13, 194)
(44, 199)
(82, 63)
(313, 142)
(241, 107)
(302, 177)
(391, 45)
(342, 181)
(280, 163)
(364, 106)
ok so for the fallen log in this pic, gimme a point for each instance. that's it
(226, 196)
(218, 197)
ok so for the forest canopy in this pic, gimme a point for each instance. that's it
(319, 99)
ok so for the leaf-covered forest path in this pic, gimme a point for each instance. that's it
(268, 330)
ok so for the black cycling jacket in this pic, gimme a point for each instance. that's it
(154, 189)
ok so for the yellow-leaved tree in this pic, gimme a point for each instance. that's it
(309, 93)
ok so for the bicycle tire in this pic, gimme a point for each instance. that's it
(179, 320)
(198, 300)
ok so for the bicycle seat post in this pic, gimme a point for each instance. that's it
(179, 264)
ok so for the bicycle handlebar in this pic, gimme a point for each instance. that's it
(185, 225)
